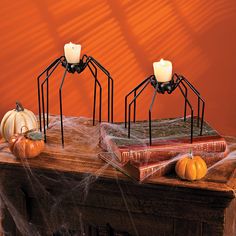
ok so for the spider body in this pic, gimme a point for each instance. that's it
(72, 68)
(163, 87)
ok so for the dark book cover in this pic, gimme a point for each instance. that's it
(169, 137)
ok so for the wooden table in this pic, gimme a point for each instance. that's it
(71, 191)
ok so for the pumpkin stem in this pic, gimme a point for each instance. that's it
(19, 107)
(191, 153)
(21, 129)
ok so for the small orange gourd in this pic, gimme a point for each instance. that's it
(191, 168)
(26, 145)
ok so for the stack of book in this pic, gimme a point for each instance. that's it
(170, 140)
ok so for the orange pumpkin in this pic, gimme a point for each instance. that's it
(26, 145)
(191, 168)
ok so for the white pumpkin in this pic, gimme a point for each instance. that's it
(17, 121)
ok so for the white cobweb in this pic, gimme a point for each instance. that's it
(41, 201)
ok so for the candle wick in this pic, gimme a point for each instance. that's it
(162, 62)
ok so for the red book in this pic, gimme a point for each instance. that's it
(142, 170)
(138, 171)
(170, 137)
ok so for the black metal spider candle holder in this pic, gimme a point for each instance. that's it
(86, 61)
(177, 81)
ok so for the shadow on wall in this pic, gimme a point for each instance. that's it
(126, 37)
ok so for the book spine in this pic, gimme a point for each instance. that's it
(145, 154)
(161, 154)
(158, 170)
(107, 144)
(216, 146)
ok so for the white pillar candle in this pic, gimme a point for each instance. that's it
(162, 70)
(72, 52)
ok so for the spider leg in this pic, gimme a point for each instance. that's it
(42, 96)
(199, 100)
(47, 99)
(110, 84)
(60, 98)
(185, 98)
(54, 63)
(112, 100)
(126, 98)
(86, 61)
(177, 82)
(135, 106)
(96, 82)
(47, 87)
(148, 81)
(84, 58)
(150, 115)
(191, 108)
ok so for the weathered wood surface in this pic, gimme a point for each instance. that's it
(126, 206)
(160, 206)
(79, 156)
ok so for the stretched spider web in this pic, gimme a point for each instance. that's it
(52, 194)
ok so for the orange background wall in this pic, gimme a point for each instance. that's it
(126, 36)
